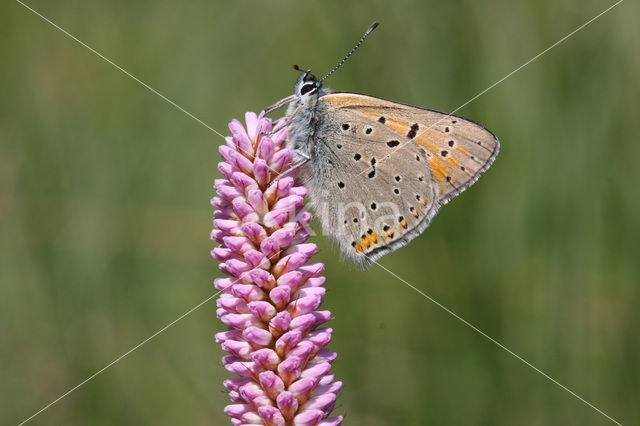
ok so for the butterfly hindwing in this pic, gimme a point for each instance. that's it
(369, 205)
(458, 150)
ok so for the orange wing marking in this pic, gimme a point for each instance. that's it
(438, 168)
(453, 162)
(370, 239)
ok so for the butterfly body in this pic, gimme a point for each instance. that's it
(378, 171)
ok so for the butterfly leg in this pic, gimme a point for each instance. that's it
(282, 122)
(280, 103)
(295, 166)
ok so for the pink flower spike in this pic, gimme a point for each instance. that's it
(240, 367)
(270, 301)
(238, 245)
(290, 369)
(308, 418)
(261, 171)
(248, 292)
(226, 169)
(301, 191)
(262, 278)
(279, 189)
(323, 356)
(290, 203)
(287, 404)
(216, 235)
(237, 410)
(232, 304)
(258, 202)
(307, 250)
(281, 160)
(271, 383)
(230, 143)
(280, 323)
(289, 263)
(302, 351)
(240, 321)
(264, 124)
(228, 153)
(321, 389)
(228, 335)
(271, 416)
(287, 341)
(244, 210)
(254, 394)
(315, 282)
(320, 337)
(280, 136)
(283, 236)
(304, 305)
(251, 119)
(280, 296)
(229, 193)
(302, 388)
(267, 359)
(333, 421)
(266, 148)
(235, 383)
(254, 232)
(276, 218)
(223, 284)
(240, 349)
(320, 402)
(317, 371)
(236, 267)
(291, 279)
(223, 254)
(239, 136)
(229, 227)
(257, 336)
(256, 259)
(264, 311)
(243, 182)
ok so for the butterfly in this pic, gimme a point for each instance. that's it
(378, 171)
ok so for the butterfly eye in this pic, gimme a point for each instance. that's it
(306, 88)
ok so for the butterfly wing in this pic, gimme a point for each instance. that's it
(369, 206)
(380, 170)
(458, 150)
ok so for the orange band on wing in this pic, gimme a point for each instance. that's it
(427, 143)
(453, 162)
(396, 125)
(463, 151)
(368, 241)
(438, 168)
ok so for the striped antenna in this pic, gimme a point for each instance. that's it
(366, 33)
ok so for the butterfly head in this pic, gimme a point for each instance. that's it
(307, 84)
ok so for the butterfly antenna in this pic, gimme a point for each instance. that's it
(366, 33)
(297, 68)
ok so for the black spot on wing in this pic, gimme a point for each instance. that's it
(413, 131)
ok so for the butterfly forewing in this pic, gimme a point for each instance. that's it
(457, 150)
(370, 206)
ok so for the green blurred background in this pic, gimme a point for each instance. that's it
(105, 215)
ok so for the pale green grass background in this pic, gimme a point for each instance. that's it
(105, 216)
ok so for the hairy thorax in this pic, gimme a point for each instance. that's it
(302, 118)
